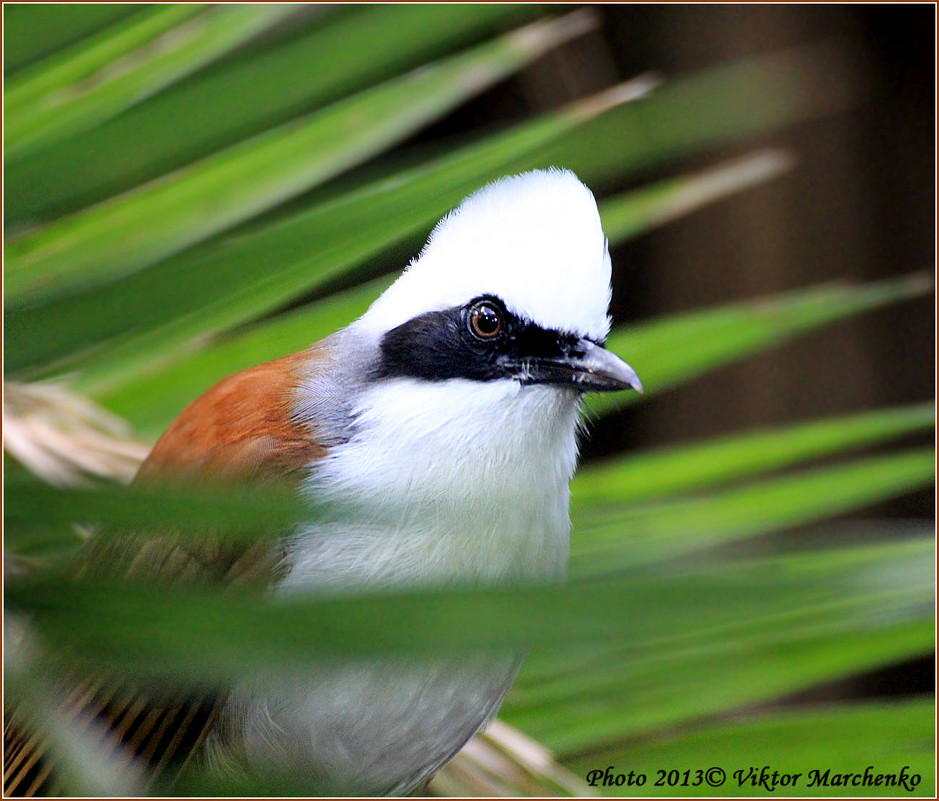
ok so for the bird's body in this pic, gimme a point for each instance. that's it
(408, 520)
(437, 437)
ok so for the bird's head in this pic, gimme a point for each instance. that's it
(513, 285)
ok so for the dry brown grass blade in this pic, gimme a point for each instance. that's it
(65, 438)
(501, 761)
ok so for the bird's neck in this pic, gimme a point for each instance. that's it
(442, 482)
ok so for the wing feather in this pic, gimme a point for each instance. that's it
(243, 429)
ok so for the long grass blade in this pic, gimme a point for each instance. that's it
(119, 68)
(629, 687)
(134, 230)
(661, 693)
(612, 539)
(162, 633)
(340, 52)
(32, 31)
(656, 473)
(885, 736)
(89, 56)
(136, 511)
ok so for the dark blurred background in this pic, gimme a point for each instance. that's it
(859, 205)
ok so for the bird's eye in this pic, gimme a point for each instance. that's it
(485, 320)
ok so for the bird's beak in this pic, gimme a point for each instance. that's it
(587, 367)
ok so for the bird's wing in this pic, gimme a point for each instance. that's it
(242, 428)
(243, 431)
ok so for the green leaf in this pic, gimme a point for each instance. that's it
(35, 30)
(339, 53)
(648, 696)
(32, 506)
(614, 538)
(392, 213)
(672, 350)
(97, 79)
(847, 739)
(853, 614)
(137, 229)
(163, 633)
(627, 216)
(652, 474)
(83, 60)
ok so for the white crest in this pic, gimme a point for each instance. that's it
(532, 240)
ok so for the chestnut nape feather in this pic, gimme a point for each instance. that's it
(241, 428)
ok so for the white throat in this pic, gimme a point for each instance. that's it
(444, 481)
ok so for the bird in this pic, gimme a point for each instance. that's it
(437, 436)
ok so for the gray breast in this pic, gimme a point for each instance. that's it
(365, 727)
